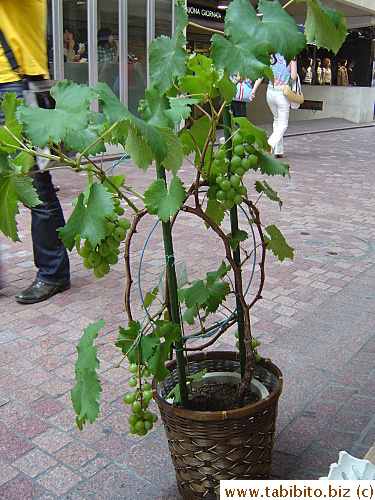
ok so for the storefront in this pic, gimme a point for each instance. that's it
(134, 23)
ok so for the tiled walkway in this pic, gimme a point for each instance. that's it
(316, 322)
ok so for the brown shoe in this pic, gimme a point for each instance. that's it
(279, 156)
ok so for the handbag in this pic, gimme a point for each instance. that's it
(293, 93)
(36, 93)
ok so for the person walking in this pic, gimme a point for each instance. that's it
(24, 26)
(279, 105)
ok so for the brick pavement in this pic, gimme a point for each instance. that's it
(316, 322)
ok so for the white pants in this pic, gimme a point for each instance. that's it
(280, 107)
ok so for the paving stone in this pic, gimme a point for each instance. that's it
(20, 488)
(7, 472)
(113, 445)
(52, 440)
(59, 480)
(46, 407)
(13, 447)
(34, 463)
(30, 426)
(75, 455)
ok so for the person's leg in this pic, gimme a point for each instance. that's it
(283, 109)
(50, 255)
(271, 101)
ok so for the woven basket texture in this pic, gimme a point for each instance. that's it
(209, 446)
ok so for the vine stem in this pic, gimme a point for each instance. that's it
(236, 252)
(81, 155)
(287, 4)
(129, 280)
(174, 303)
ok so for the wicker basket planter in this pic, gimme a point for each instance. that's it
(209, 446)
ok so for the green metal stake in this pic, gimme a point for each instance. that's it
(236, 253)
(172, 287)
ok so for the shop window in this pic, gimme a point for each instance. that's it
(75, 42)
(137, 54)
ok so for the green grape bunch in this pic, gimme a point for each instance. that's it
(106, 253)
(228, 184)
(142, 419)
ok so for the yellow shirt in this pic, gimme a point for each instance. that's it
(24, 25)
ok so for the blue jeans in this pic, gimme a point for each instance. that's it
(50, 255)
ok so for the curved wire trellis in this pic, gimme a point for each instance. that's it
(218, 324)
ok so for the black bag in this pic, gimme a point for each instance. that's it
(37, 93)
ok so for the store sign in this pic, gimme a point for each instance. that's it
(205, 13)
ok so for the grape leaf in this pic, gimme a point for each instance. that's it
(167, 56)
(88, 217)
(208, 295)
(194, 138)
(248, 128)
(127, 337)
(145, 350)
(270, 166)
(280, 29)
(117, 180)
(180, 108)
(24, 162)
(213, 276)
(235, 240)
(164, 203)
(14, 189)
(175, 155)
(226, 87)
(171, 333)
(215, 211)
(324, 26)
(200, 83)
(157, 363)
(143, 142)
(190, 315)
(195, 294)
(72, 112)
(217, 294)
(150, 297)
(154, 108)
(277, 244)
(79, 140)
(9, 105)
(264, 187)
(85, 395)
(242, 50)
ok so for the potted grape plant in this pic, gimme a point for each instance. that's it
(212, 443)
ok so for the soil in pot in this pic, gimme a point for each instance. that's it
(215, 396)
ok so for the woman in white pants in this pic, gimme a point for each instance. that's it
(278, 103)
